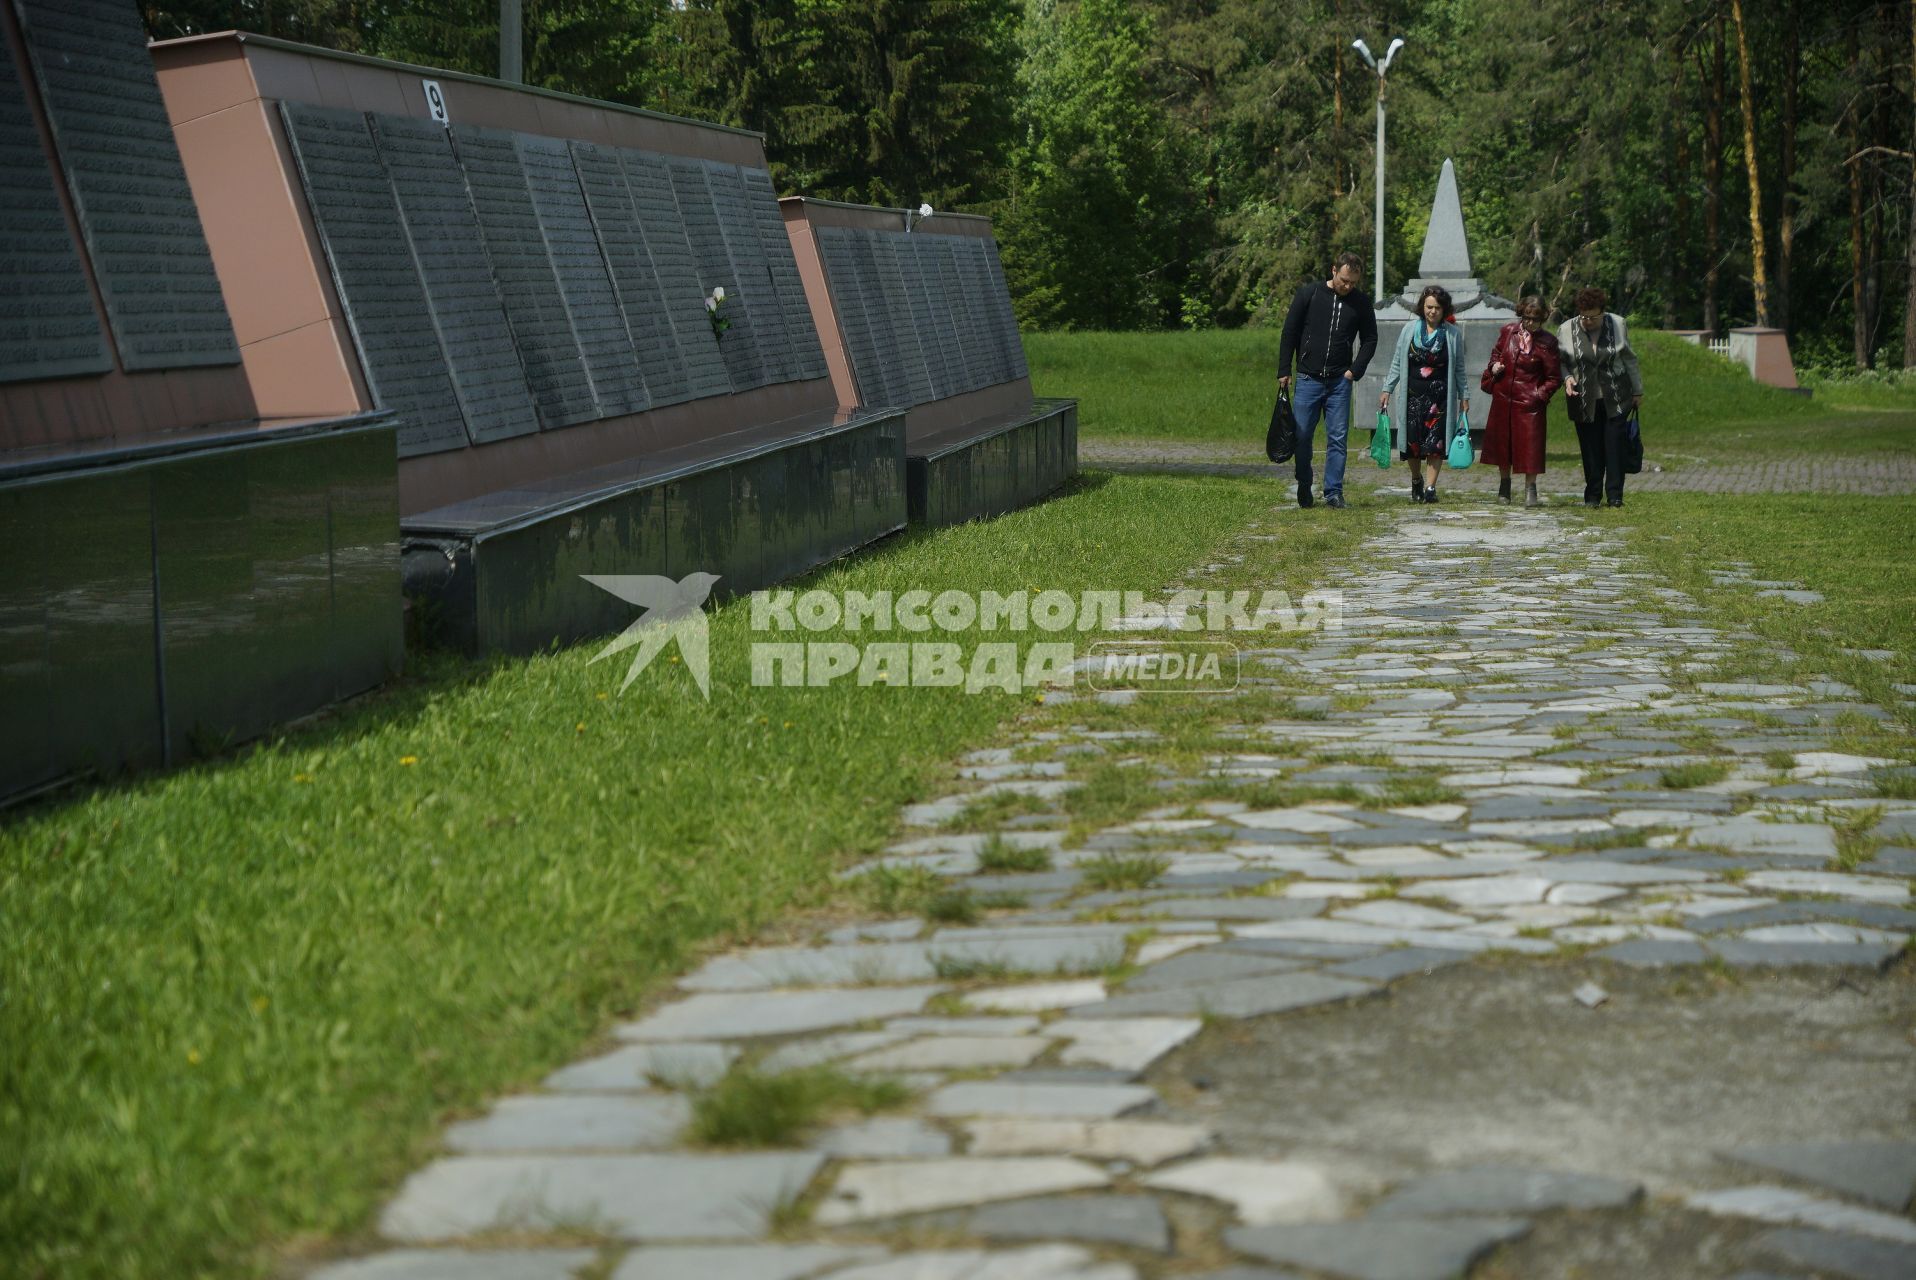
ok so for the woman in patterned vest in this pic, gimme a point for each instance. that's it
(1603, 386)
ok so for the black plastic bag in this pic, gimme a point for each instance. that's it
(1632, 446)
(1280, 442)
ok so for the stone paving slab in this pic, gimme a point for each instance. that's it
(729, 1015)
(1883, 1173)
(740, 1262)
(1133, 1221)
(1064, 1101)
(1138, 1142)
(864, 1192)
(1493, 1190)
(642, 1197)
(1833, 1253)
(575, 1123)
(462, 1264)
(1406, 1249)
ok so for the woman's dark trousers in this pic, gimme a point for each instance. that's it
(1601, 443)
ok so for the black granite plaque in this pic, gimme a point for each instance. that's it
(516, 247)
(994, 363)
(885, 324)
(615, 218)
(136, 212)
(978, 288)
(935, 326)
(738, 222)
(854, 316)
(805, 358)
(678, 272)
(443, 234)
(1007, 319)
(913, 385)
(598, 325)
(951, 291)
(48, 328)
(378, 282)
(714, 263)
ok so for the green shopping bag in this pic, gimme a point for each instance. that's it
(1461, 454)
(1380, 440)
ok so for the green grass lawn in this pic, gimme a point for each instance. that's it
(1848, 548)
(1215, 386)
(237, 1001)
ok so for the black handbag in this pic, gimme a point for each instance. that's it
(1632, 446)
(1280, 442)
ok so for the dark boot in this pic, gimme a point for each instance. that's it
(1503, 489)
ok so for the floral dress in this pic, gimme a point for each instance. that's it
(1427, 397)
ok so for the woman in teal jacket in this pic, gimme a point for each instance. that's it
(1430, 361)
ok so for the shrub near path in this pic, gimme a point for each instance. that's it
(236, 1001)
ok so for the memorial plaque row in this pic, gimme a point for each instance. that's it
(136, 214)
(924, 316)
(498, 282)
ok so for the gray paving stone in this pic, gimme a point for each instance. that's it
(1302, 948)
(636, 1066)
(897, 1188)
(462, 1264)
(1236, 908)
(1039, 1262)
(1250, 1273)
(643, 1122)
(726, 1015)
(884, 1137)
(1839, 1254)
(1135, 1222)
(1208, 965)
(1883, 1173)
(740, 1262)
(1867, 914)
(1381, 1249)
(1494, 1190)
(1654, 953)
(1055, 1101)
(1745, 954)
(1892, 861)
(1067, 1075)
(1235, 998)
(1391, 965)
(640, 1197)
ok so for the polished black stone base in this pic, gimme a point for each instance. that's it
(988, 468)
(167, 600)
(504, 573)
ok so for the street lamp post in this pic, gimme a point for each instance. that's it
(1383, 70)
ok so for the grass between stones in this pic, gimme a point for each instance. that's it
(1215, 387)
(748, 1109)
(998, 855)
(1682, 777)
(241, 998)
(1842, 546)
(1123, 871)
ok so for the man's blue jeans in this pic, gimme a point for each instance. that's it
(1329, 398)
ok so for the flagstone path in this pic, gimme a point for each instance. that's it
(1548, 687)
(1884, 474)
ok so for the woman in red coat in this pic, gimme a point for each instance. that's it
(1523, 373)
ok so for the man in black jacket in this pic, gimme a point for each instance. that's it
(1323, 321)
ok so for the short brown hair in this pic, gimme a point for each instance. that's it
(1350, 260)
(1438, 292)
(1531, 302)
(1591, 298)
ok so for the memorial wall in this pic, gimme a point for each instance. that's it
(915, 313)
(589, 316)
(177, 572)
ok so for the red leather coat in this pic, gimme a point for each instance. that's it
(1514, 434)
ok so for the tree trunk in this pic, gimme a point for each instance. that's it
(1337, 111)
(1859, 299)
(1678, 180)
(1786, 174)
(1759, 273)
(1909, 297)
(1713, 180)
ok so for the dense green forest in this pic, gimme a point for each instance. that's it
(1182, 163)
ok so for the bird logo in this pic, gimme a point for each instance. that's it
(673, 610)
